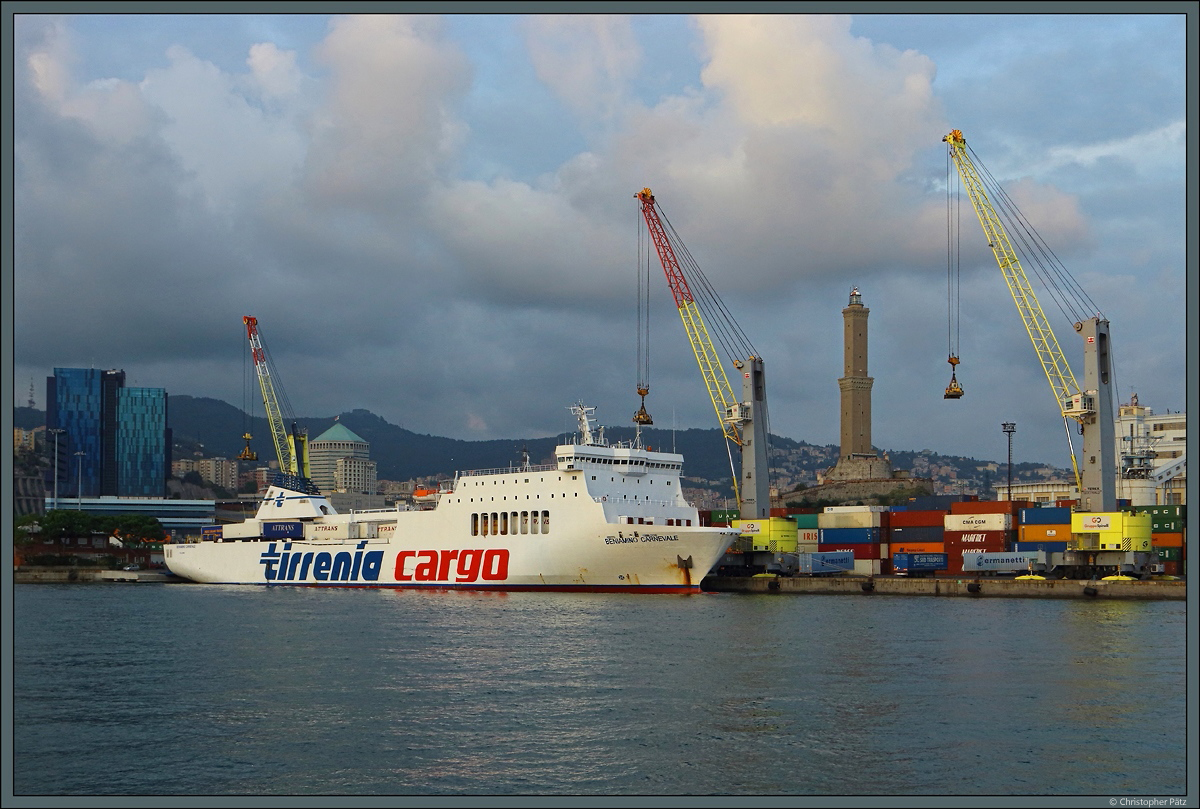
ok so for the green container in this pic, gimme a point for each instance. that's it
(805, 520)
(1166, 525)
(1168, 554)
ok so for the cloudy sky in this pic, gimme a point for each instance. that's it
(433, 217)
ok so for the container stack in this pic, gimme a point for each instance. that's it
(1167, 527)
(859, 529)
(980, 527)
(1044, 529)
(913, 531)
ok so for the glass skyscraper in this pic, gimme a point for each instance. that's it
(115, 439)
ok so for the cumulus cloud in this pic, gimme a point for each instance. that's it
(319, 186)
(388, 124)
(587, 60)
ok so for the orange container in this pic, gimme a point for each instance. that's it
(917, 547)
(1044, 533)
(1169, 539)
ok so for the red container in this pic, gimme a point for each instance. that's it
(991, 507)
(1170, 568)
(861, 550)
(986, 541)
(906, 519)
(1066, 503)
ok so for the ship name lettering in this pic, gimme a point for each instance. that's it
(470, 565)
(325, 566)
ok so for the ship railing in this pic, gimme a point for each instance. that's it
(512, 470)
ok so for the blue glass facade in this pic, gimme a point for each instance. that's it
(115, 440)
(141, 450)
(77, 409)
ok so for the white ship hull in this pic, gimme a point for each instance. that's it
(602, 518)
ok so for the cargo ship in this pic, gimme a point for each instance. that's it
(603, 518)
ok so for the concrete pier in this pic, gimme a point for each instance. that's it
(983, 587)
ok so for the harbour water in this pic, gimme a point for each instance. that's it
(194, 690)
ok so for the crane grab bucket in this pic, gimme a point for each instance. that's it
(953, 390)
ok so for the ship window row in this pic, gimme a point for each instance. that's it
(621, 462)
(650, 521)
(510, 522)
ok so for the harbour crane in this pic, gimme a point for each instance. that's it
(744, 421)
(1090, 406)
(290, 448)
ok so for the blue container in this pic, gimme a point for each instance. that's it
(1045, 516)
(291, 529)
(826, 562)
(1041, 545)
(914, 562)
(858, 536)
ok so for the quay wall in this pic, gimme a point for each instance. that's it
(949, 586)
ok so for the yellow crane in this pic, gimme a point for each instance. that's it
(289, 449)
(744, 422)
(1090, 407)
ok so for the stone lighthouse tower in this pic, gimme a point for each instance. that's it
(857, 460)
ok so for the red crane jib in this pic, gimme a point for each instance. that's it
(675, 280)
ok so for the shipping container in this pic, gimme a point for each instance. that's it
(851, 519)
(990, 507)
(917, 519)
(1054, 533)
(1171, 568)
(915, 533)
(1042, 545)
(979, 522)
(1168, 554)
(818, 563)
(1066, 503)
(854, 509)
(917, 547)
(1045, 516)
(867, 567)
(1166, 540)
(983, 540)
(1166, 524)
(918, 562)
(808, 535)
(1006, 562)
(805, 520)
(855, 536)
(859, 551)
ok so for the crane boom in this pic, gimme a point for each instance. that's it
(284, 450)
(1091, 408)
(743, 422)
(711, 369)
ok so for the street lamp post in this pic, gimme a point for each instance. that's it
(57, 432)
(79, 480)
(1009, 428)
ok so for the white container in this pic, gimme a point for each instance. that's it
(849, 519)
(866, 567)
(978, 522)
(854, 509)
